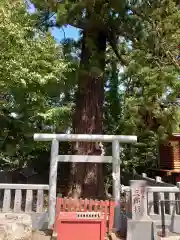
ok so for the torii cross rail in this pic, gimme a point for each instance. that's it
(55, 158)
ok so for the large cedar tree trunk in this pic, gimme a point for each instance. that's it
(87, 179)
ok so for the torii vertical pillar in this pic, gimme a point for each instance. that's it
(116, 175)
(53, 182)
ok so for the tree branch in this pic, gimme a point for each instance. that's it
(113, 43)
(172, 59)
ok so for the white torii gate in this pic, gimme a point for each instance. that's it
(55, 158)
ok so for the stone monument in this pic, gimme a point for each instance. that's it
(141, 226)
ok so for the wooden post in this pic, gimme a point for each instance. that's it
(178, 198)
(116, 183)
(160, 196)
(139, 199)
(111, 215)
(162, 204)
(53, 182)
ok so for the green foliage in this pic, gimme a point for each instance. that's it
(149, 83)
(33, 75)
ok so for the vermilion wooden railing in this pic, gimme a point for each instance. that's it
(87, 205)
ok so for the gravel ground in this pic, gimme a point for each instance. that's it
(170, 236)
(39, 235)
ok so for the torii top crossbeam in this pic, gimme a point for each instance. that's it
(84, 137)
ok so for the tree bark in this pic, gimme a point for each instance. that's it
(87, 179)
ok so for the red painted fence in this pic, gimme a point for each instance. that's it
(87, 205)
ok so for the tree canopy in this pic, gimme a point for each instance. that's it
(32, 68)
